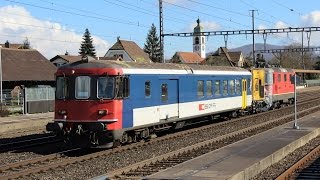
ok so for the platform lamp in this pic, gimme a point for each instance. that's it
(294, 81)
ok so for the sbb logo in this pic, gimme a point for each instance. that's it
(206, 106)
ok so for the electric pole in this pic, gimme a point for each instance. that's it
(161, 31)
(253, 44)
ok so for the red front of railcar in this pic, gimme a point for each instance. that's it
(87, 106)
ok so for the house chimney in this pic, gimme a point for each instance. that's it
(67, 53)
(118, 38)
(7, 45)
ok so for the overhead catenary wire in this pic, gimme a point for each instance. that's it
(82, 15)
(214, 16)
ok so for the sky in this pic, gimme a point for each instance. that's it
(56, 26)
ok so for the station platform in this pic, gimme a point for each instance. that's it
(25, 121)
(248, 157)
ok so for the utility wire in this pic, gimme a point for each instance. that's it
(264, 12)
(78, 14)
(290, 9)
(229, 20)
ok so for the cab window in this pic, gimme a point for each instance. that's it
(62, 89)
(105, 86)
(82, 87)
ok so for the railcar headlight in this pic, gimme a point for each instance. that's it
(102, 112)
(62, 112)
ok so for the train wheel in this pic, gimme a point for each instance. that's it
(124, 138)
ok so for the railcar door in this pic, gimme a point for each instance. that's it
(244, 93)
(169, 99)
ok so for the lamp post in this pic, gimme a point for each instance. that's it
(295, 125)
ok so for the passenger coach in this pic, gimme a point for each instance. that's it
(109, 101)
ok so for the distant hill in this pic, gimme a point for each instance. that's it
(247, 49)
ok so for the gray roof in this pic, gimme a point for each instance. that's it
(26, 65)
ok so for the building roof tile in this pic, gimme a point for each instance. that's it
(190, 57)
(133, 50)
(25, 65)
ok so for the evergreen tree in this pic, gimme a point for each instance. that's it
(86, 47)
(152, 45)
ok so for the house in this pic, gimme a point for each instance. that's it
(25, 67)
(60, 60)
(128, 51)
(223, 57)
(187, 58)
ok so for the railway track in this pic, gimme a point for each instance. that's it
(151, 166)
(215, 142)
(25, 168)
(228, 137)
(21, 143)
(306, 168)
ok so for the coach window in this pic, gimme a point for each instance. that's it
(147, 90)
(82, 90)
(225, 88)
(279, 77)
(238, 88)
(231, 86)
(62, 90)
(164, 92)
(217, 88)
(285, 78)
(126, 89)
(209, 88)
(200, 89)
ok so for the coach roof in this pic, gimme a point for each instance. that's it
(149, 66)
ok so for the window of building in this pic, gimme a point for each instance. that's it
(147, 90)
(164, 92)
(238, 88)
(196, 40)
(279, 77)
(209, 88)
(217, 88)
(200, 89)
(118, 55)
(225, 88)
(202, 40)
(82, 87)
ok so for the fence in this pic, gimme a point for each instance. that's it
(29, 100)
(39, 99)
(12, 99)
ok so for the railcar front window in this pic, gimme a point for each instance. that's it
(105, 87)
(62, 87)
(82, 89)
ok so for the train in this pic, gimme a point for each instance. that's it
(104, 103)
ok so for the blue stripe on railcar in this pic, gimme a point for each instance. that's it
(187, 84)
